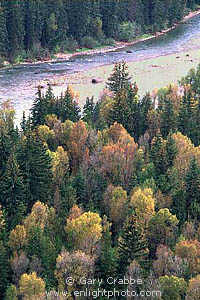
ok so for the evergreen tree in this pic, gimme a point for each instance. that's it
(67, 198)
(67, 107)
(157, 155)
(106, 262)
(4, 270)
(12, 193)
(136, 12)
(88, 111)
(132, 245)
(32, 23)
(35, 164)
(120, 78)
(159, 15)
(55, 24)
(192, 189)
(15, 26)
(109, 12)
(167, 119)
(125, 110)
(42, 106)
(5, 149)
(79, 184)
(145, 106)
(3, 32)
(183, 116)
(171, 151)
(95, 186)
(79, 18)
(41, 246)
(179, 206)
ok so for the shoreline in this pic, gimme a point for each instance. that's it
(121, 45)
(149, 74)
(118, 45)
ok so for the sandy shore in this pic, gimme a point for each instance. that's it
(149, 74)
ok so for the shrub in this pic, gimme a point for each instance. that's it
(89, 42)
(107, 41)
(128, 31)
(70, 44)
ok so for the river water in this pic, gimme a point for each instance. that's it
(19, 83)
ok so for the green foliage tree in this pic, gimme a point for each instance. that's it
(172, 287)
(11, 293)
(162, 229)
(128, 31)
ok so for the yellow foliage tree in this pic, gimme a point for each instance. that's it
(31, 286)
(115, 201)
(64, 133)
(51, 120)
(85, 231)
(193, 291)
(37, 217)
(60, 162)
(18, 238)
(45, 133)
(143, 204)
(186, 150)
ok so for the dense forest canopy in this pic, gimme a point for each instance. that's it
(35, 27)
(110, 193)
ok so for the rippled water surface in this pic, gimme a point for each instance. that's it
(19, 83)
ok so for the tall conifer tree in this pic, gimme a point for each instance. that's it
(132, 245)
(12, 193)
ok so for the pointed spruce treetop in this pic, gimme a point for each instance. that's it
(120, 78)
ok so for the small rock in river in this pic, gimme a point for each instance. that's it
(5, 63)
(94, 81)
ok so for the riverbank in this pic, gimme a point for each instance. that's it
(58, 57)
(121, 45)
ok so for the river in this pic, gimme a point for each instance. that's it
(20, 83)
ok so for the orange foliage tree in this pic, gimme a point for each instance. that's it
(78, 150)
(117, 157)
(190, 250)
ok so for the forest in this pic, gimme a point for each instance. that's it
(109, 193)
(35, 28)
